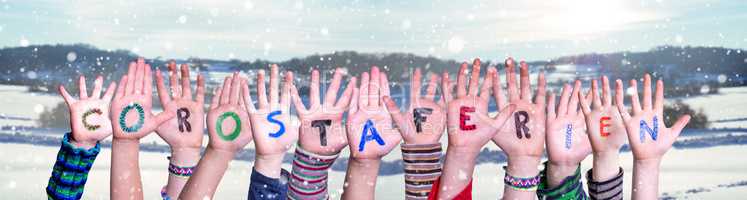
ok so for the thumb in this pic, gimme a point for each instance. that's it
(504, 115)
(396, 114)
(679, 125)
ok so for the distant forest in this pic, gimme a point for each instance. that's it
(43, 67)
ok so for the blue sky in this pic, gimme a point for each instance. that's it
(280, 29)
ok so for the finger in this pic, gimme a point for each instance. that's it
(647, 105)
(285, 96)
(297, 103)
(82, 91)
(374, 88)
(121, 89)
(462, 81)
(97, 86)
(261, 92)
(226, 91)
(65, 95)
(575, 95)
(163, 94)
(130, 84)
(659, 99)
(333, 88)
(446, 88)
(363, 90)
(526, 93)
(679, 125)
(314, 89)
(596, 101)
(430, 91)
(274, 86)
(415, 86)
(635, 101)
(147, 81)
(186, 88)
(247, 95)
(606, 91)
(551, 106)
(384, 82)
(109, 92)
(139, 76)
(475, 80)
(396, 114)
(500, 100)
(585, 107)
(541, 89)
(163, 117)
(176, 93)
(235, 89)
(347, 95)
(503, 116)
(216, 98)
(354, 99)
(620, 100)
(564, 98)
(513, 92)
(487, 84)
(200, 98)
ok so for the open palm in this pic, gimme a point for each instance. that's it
(567, 142)
(228, 128)
(603, 121)
(178, 134)
(273, 132)
(89, 114)
(425, 119)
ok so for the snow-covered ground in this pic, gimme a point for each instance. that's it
(27, 167)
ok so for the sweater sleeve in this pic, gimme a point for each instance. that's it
(611, 189)
(263, 187)
(571, 188)
(422, 168)
(465, 194)
(70, 171)
(308, 179)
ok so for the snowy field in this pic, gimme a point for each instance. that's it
(27, 167)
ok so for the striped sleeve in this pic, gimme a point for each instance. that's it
(309, 175)
(571, 188)
(70, 171)
(611, 189)
(422, 167)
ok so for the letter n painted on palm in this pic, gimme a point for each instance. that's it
(654, 132)
(374, 135)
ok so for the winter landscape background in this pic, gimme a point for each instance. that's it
(696, 46)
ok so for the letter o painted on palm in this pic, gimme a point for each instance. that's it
(140, 118)
(236, 130)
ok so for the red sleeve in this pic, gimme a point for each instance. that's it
(465, 194)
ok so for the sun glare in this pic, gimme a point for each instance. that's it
(580, 17)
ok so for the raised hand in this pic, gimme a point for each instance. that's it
(228, 128)
(567, 142)
(273, 132)
(425, 119)
(186, 129)
(469, 128)
(369, 126)
(321, 130)
(648, 136)
(89, 114)
(524, 134)
(131, 109)
(605, 130)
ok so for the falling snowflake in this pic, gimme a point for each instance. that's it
(71, 56)
(38, 108)
(31, 75)
(24, 42)
(248, 5)
(324, 31)
(182, 19)
(722, 78)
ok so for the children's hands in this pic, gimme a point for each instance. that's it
(567, 143)
(366, 108)
(649, 137)
(89, 114)
(131, 109)
(604, 125)
(228, 127)
(186, 129)
(529, 139)
(321, 130)
(425, 120)
(470, 127)
(273, 133)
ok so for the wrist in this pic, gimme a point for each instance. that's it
(557, 172)
(365, 163)
(82, 144)
(185, 157)
(647, 163)
(606, 165)
(523, 166)
(269, 165)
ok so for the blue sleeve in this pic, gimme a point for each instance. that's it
(263, 187)
(70, 171)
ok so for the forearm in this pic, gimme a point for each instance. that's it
(207, 175)
(125, 180)
(646, 179)
(557, 172)
(360, 180)
(521, 167)
(569, 187)
(70, 171)
(422, 167)
(182, 157)
(606, 165)
(310, 174)
(459, 165)
(269, 165)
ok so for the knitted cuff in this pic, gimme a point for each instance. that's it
(611, 189)
(70, 171)
(309, 175)
(422, 168)
(570, 188)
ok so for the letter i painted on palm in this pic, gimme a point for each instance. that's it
(568, 136)
(647, 129)
(369, 128)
